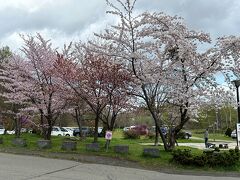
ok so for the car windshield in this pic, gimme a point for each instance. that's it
(64, 130)
(54, 129)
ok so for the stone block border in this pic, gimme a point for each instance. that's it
(123, 149)
(151, 152)
(19, 142)
(93, 147)
(69, 145)
(44, 144)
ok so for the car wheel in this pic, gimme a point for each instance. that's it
(186, 136)
(67, 134)
(76, 134)
(59, 135)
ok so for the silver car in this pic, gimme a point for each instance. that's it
(234, 134)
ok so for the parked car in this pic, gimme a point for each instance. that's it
(183, 134)
(86, 131)
(67, 131)
(187, 134)
(164, 130)
(2, 130)
(100, 132)
(126, 129)
(69, 128)
(23, 130)
(234, 134)
(57, 131)
(140, 129)
(10, 132)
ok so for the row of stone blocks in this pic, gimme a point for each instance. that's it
(72, 145)
(123, 149)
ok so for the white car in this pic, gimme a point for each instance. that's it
(67, 131)
(56, 131)
(100, 130)
(10, 132)
(2, 130)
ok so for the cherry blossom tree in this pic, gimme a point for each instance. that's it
(127, 42)
(30, 82)
(229, 47)
(119, 94)
(163, 54)
(223, 99)
(87, 79)
(4, 54)
(98, 81)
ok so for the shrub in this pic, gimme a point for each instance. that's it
(210, 158)
(199, 160)
(183, 157)
(131, 134)
(228, 132)
(151, 135)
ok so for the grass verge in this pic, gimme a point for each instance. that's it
(133, 159)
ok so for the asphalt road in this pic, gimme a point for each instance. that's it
(19, 167)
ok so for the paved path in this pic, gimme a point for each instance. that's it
(202, 145)
(197, 145)
(19, 167)
(231, 144)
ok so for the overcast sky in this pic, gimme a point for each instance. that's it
(72, 20)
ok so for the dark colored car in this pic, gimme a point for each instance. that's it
(86, 131)
(184, 135)
(163, 129)
(187, 135)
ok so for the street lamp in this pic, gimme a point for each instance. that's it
(237, 84)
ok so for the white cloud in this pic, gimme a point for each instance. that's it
(70, 20)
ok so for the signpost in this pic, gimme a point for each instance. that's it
(238, 134)
(108, 137)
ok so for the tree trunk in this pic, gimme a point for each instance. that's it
(152, 108)
(79, 121)
(48, 132)
(158, 129)
(156, 136)
(96, 128)
(112, 122)
(172, 139)
(174, 131)
(17, 127)
(230, 117)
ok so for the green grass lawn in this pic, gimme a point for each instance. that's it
(135, 150)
